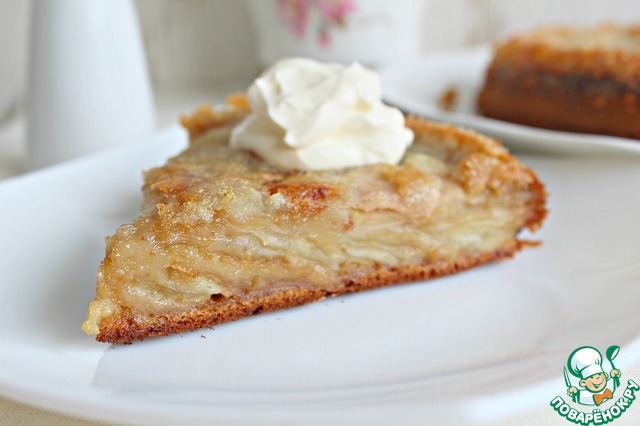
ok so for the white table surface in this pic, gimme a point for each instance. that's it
(169, 106)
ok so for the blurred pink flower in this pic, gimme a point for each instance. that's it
(324, 39)
(335, 11)
(295, 16)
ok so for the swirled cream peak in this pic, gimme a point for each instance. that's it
(312, 116)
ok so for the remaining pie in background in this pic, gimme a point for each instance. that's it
(568, 78)
(224, 235)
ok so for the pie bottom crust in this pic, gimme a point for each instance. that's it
(123, 329)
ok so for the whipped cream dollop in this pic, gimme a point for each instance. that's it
(313, 116)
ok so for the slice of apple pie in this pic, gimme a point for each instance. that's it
(311, 187)
(223, 235)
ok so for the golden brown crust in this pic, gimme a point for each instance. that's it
(470, 141)
(305, 199)
(127, 329)
(207, 117)
(573, 79)
(608, 51)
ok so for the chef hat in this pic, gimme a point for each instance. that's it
(585, 361)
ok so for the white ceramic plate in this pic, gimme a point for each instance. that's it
(417, 86)
(484, 344)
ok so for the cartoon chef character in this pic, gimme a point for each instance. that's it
(586, 364)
